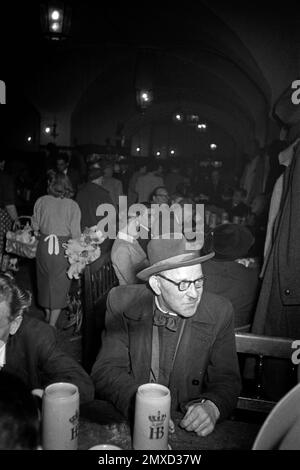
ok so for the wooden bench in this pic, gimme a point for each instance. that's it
(261, 347)
(98, 279)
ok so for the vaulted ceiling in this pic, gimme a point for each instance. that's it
(226, 61)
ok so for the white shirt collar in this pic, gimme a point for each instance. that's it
(2, 354)
(163, 311)
(125, 236)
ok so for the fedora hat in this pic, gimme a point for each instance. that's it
(169, 252)
(230, 241)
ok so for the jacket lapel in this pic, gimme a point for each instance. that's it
(140, 337)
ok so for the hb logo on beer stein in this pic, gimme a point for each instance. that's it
(157, 425)
(74, 421)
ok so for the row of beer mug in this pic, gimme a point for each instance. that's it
(212, 219)
(60, 417)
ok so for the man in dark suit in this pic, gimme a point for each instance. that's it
(174, 333)
(28, 347)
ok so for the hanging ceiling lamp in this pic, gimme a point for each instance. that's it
(144, 78)
(56, 19)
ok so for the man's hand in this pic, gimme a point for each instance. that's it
(171, 426)
(201, 418)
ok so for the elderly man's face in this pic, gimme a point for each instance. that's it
(183, 303)
(5, 321)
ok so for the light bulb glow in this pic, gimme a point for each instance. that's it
(158, 153)
(55, 15)
(172, 152)
(47, 130)
(29, 139)
(213, 146)
(55, 26)
(138, 149)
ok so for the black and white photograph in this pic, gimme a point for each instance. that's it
(150, 229)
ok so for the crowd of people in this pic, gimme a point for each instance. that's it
(173, 317)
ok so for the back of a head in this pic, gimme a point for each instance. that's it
(19, 415)
(142, 168)
(17, 299)
(62, 156)
(95, 171)
(59, 185)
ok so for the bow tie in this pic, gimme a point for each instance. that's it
(164, 319)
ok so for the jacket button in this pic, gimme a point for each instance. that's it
(287, 291)
(195, 382)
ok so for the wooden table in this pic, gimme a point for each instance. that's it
(100, 423)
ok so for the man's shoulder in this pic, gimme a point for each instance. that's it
(36, 329)
(128, 296)
(90, 189)
(120, 243)
(237, 271)
(120, 247)
(214, 308)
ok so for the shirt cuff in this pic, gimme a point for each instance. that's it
(215, 408)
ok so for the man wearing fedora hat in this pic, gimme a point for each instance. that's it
(170, 331)
(227, 276)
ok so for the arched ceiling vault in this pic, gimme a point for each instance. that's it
(208, 58)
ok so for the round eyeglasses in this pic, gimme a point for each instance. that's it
(184, 285)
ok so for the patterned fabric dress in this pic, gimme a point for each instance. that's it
(7, 197)
(5, 225)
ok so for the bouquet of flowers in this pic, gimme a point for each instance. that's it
(22, 241)
(83, 251)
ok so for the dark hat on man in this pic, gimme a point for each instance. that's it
(170, 252)
(231, 241)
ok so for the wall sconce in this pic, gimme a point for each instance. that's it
(50, 130)
(55, 19)
(201, 127)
